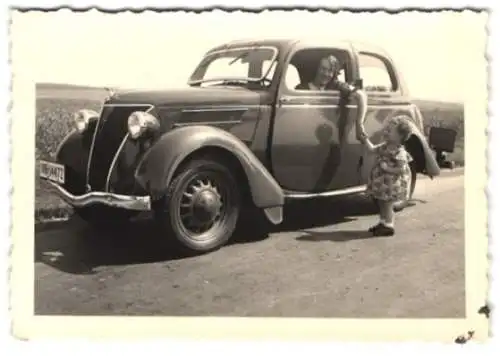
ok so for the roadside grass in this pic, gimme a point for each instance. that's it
(54, 117)
(451, 117)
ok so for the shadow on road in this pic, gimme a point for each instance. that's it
(336, 236)
(74, 247)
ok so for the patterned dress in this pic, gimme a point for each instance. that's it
(388, 186)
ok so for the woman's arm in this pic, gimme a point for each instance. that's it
(362, 103)
(361, 100)
(302, 86)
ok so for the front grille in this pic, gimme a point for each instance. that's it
(122, 180)
(111, 130)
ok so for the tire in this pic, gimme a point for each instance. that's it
(400, 205)
(200, 210)
(104, 217)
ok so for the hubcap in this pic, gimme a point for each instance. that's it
(206, 205)
(201, 206)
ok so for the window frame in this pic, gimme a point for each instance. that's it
(200, 71)
(393, 77)
(349, 74)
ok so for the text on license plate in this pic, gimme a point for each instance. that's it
(52, 171)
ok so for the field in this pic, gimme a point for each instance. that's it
(55, 105)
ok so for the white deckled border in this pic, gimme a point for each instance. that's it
(475, 179)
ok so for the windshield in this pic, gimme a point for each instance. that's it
(236, 66)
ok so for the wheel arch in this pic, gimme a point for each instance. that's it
(223, 156)
(418, 147)
(415, 148)
(168, 155)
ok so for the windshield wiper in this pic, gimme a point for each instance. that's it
(244, 55)
(240, 57)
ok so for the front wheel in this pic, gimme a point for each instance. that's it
(201, 206)
(403, 203)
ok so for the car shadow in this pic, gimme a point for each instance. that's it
(78, 248)
(74, 247)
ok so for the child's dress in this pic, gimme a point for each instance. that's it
(388, 186)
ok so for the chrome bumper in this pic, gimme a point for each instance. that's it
(113, 200)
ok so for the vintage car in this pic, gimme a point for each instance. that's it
(239, 135)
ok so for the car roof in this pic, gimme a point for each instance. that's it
(286, 43)
(279, 43)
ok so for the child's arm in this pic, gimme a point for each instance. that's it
(368, 144)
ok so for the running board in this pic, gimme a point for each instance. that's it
(332, 193)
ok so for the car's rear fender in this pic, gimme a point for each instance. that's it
(159, 165)
(421, 152)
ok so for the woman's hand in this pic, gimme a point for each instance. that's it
(360, 133)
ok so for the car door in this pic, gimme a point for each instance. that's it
(313, 134)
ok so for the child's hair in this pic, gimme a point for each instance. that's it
(403, 127)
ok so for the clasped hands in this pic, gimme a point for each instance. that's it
(361, 133)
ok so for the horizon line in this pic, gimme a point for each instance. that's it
(92, 87)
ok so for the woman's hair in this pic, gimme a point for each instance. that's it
(334, 62)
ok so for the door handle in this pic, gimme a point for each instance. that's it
(284, 100)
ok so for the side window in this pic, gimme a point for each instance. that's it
(314, 67)
(292, 78)
(375, 74)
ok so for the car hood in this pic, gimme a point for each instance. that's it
(187, 97)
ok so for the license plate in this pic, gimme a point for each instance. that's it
(52, 171)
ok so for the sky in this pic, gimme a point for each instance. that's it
(438, 53)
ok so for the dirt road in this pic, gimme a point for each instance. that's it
(320, 263)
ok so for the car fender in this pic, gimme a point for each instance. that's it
(156, 169)
(73, 152)
(419, 148)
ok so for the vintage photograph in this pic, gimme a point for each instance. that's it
(286, 164)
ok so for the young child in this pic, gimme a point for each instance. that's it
(390, 175)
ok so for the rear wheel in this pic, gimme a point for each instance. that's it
(201, 207)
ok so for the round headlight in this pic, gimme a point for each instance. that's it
(139, 122)
(82, 118)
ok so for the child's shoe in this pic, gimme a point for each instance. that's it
(383, 230)
(375, 227)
